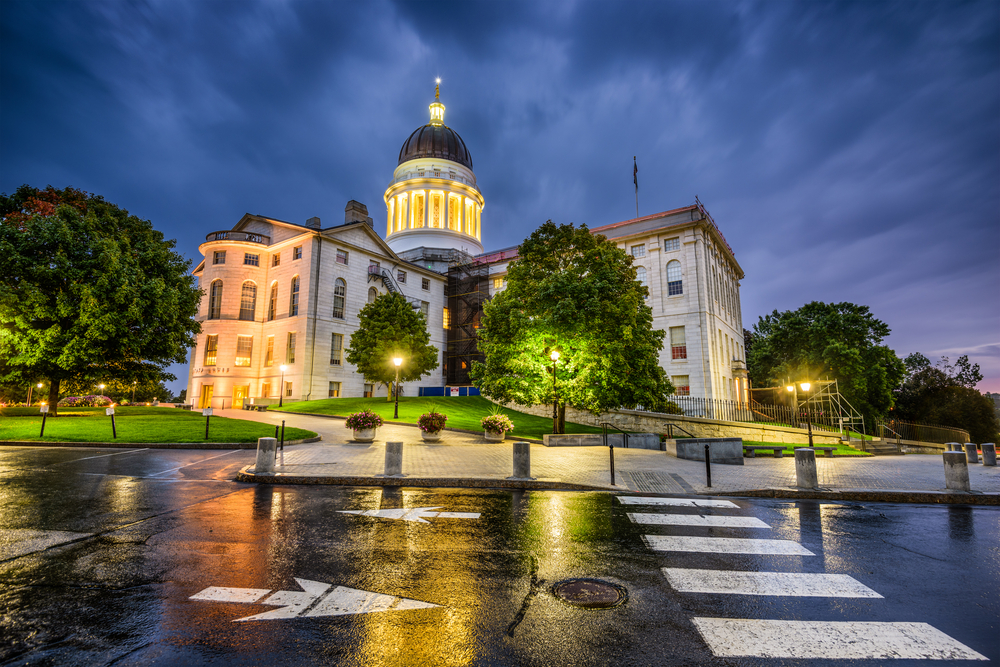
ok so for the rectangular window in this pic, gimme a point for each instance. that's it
(369, 390)
(215, 300)
(219, 257)
(297, 252)
(265, 390)
(678, 344)
(250, 259)
(290, 349)
(336, 349)
(374, 267)
(425, 283)
(293, 303)
(672, 244)
(244, 348)
(424, 308)
(269, 354)
(288, 389)
(639, 250)
(498, 283)
(342, 256)
(276, 259)
(401, 276)
(339, 298)
(211, 349)
(334, 390)
(682, 384)
(272, 304)
(447, 318)
(248, 301)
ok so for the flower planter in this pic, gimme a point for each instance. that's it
(430, 437)
(364, 434)
(494, 436)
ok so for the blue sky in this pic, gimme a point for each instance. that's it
(849, 151)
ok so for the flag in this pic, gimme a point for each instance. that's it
(635, 173)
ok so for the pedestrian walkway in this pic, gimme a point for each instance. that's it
(465, 459)
(779, 638)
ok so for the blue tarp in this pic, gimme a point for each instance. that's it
(448, 391)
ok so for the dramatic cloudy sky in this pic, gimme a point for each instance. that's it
(848, 151)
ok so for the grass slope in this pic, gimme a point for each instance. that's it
(463, 412)
(140, 424)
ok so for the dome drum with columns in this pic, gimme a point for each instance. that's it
(433, 201)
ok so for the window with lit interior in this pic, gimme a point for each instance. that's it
(248, 301)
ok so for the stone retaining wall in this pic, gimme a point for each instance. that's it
(653, 422)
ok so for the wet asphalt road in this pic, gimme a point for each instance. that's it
(101, 552)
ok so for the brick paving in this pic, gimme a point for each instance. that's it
(468, 456)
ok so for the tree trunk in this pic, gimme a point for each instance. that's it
(388, 393)
(54, 397)
(562, 417)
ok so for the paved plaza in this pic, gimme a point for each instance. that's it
(465, 456)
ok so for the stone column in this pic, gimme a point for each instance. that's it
(393, 459)
(971, 455)
(522, 461)
(956, 472)
(989, 454)
(266, 448)
(805, 469)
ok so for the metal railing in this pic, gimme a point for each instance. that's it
(894, 429)
(245, 237)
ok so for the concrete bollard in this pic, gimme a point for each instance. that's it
(989, 454)
(522, 460)
(266, 448)
(971, 455)
(805, 469)
(956, 472)
(393, 459)
(952, 447)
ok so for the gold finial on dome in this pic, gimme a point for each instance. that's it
(437, 109)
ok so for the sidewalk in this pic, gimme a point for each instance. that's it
(467, 460)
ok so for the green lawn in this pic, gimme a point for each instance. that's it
(140, 424)
(842, 450)
(463, 412)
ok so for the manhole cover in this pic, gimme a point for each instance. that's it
(590, 593)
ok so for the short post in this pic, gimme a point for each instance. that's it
(114, 431)
(708, 467)
(208, 415)
(611, 452)
(956, 472)
(393, 459)
(989, 453)
(265, 456)
(522, 460)
(45, 413)
(805, 468)
(282, 435)
(809, 424)
(971, 455)
(275, 431)
(952, 447)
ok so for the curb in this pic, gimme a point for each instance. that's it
(912, 497)
(150, 445)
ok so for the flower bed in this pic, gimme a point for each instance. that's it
(432, 422)
(366, 419)
(91, 401)
(497, 423)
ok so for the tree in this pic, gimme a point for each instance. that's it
(838, 341)
(945, 394)
(89, 293)
(576, 293)
(389, 328)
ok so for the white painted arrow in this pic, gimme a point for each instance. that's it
(340, 601)
(415, 514)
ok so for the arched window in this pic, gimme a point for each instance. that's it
(372, 294)
(674, 283)
(640, 276)
(248, 301)
(293, 304)
(272, 304)
(215, 300)
(339, 295)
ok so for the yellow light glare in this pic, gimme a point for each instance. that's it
(398, 361)
(790, 388)
(805, 386)
(554, 355)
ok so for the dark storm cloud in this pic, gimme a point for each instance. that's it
(849, 151)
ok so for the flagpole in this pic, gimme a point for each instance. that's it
(635, 179)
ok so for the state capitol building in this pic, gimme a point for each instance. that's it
(285, 294)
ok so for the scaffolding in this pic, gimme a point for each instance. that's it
(822, 403)
(467, 290)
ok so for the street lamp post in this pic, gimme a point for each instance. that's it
(554, 356)
(395, 412)
(134, 383)
(281, 389)
(805, 387)
(30, 388)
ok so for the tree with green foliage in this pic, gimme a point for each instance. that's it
(838, 341)
(945, 394)
(575, 293)
(89, 293)
(390, 328)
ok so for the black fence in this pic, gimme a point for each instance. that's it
(894, 429)
(777, 415)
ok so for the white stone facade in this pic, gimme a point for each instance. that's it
(318, 259)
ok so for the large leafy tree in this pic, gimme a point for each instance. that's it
(838, 341)
(945, 394)
(390, 328)
(576, 293)
(89, 293)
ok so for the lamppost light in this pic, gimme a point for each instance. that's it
(284, 368)
(805, 386)
(790, 387)
(554, 355)
(39, 385)
(398, 361)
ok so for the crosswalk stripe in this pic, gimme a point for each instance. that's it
(794, 584)
(697, 520)
(835, 640)
(676, 502)
(725, 545)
